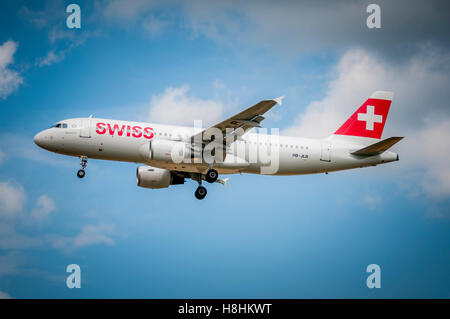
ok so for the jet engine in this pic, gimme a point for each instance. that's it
(153, 177)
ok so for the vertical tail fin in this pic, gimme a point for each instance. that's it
(369, 119)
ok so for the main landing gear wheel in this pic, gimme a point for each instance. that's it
(81, 173)
(200, 193)
(83, 164)
(211, 175)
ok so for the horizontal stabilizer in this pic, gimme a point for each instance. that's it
(377, 148)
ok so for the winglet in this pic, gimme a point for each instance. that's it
(279, 100)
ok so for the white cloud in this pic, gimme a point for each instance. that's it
(7, 50)
(419, 110)
(94, 234)
(419, 85)
(44, 207)
(174, 106)
(433, 144)
(89, 235)
(12, 199)
(4, 295)
(9, 79)
(51, 58)
(2, 156)
(54, 55)
(357, 75)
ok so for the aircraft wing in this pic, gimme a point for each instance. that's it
(241, 122)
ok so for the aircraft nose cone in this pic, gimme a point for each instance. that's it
(39, 139)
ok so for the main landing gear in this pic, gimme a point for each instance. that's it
(83, 164)
(211, 176)
(200, 192)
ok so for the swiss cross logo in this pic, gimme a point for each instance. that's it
(370, 117)
(368, 120)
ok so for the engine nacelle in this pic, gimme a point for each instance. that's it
(153, 177)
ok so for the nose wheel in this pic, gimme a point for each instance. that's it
(81, 173)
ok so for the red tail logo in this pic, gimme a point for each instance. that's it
(369, 119)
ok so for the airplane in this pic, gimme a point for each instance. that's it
(171, 154)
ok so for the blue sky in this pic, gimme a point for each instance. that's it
(260, 236)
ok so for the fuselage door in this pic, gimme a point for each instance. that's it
(325, 154)
(85, 130)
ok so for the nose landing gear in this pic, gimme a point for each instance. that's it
(83, 164)
(81, 173)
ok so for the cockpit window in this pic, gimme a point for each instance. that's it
(60, 125)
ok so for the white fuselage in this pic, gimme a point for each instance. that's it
(131, 142)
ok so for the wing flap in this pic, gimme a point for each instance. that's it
(377, 148)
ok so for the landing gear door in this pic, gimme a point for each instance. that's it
(325, 154)
(86, 124)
